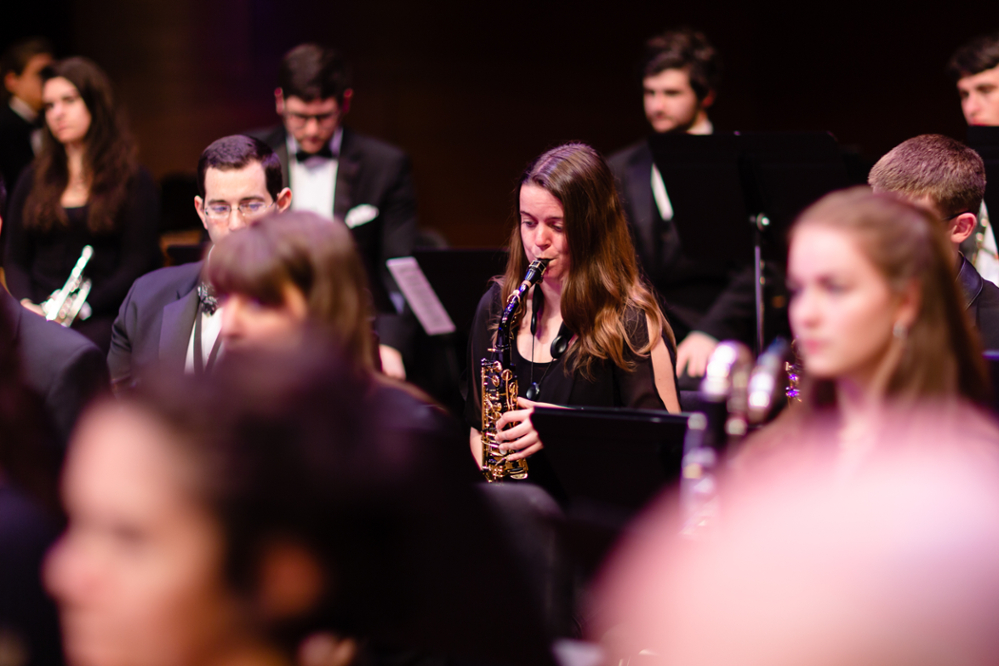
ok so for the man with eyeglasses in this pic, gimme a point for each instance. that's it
(338, 173)
(946, 178)
(170, 320)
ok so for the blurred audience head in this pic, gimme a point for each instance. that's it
(939, 174)
(313, 94)
(230, 519)
(874, 302)
(680, 74)
(239, 180)
(975, 69)
(289, 272)
(895, 567)
(20, 68)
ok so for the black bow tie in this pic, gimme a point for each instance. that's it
(209, 302)
(325, 151)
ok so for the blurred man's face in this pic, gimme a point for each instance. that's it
(28, 86)
(980, 97)
(311, 123)
(671, 105)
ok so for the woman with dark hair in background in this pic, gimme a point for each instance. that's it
(84, 188)
(592, 333)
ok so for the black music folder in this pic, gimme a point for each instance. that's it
(614, 458)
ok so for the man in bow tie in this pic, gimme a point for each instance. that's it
(338, 173)
(170, 321)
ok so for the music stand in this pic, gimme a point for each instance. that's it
(742, 187)
(610, 463)
(782, 174)
(460, 277)
(619, 458)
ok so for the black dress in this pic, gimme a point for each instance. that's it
(611, 386)
(38, 262)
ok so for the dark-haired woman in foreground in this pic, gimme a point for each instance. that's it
(620, 349)
(84, 188)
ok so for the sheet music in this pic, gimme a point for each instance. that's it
(420, 295)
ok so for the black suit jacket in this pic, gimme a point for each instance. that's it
(154, 324)
(370, 172)
(64, 368)
(698, 297)
(15, 145)
(982, 302)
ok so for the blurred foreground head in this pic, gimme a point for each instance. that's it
(287, 270)
(233, 518)
(874, 303)
(896, 567)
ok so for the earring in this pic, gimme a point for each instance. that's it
(900, 331)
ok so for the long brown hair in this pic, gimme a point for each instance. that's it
(314, 254)
(109, 158)
(603, 280)
(942, 356)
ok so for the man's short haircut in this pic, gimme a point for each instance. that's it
(312, 72)
(17, 55)
(688, 50)
(978, 55)
(235, 152)
(945, 171)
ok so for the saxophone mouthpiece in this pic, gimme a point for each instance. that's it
(535, 271)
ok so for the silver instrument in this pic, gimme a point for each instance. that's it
(70, 302)
(736, 394)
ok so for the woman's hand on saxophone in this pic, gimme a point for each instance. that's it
(522, 437)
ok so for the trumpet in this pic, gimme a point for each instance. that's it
(70, 302)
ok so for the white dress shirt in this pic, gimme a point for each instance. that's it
(211, 327)
(314, 180)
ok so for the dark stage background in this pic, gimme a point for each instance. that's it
(473, 91)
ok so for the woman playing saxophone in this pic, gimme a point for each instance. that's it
(591, 332)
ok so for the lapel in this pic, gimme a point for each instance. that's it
(282, 153)
(277, 139)
(346, 176)
(970, 281)
(178, 322)
(640, 195)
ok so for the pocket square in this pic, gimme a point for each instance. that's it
(359, 215)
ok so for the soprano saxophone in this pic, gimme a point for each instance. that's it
(499, 383)
(64, 305)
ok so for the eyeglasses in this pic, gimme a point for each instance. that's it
(302, 119)
(248, 209)
(948, 219)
